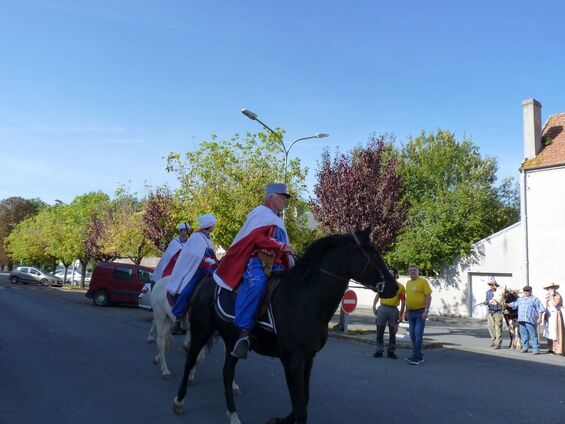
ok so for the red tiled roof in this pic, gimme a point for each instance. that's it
(553, 137)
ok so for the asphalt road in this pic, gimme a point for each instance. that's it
(64, 360)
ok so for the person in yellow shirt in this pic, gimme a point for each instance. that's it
(387, 314)
(418, 301)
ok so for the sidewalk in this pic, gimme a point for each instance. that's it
(450, 332)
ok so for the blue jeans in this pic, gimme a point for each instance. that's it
(250, 293)
(528, 332)
(416, 325)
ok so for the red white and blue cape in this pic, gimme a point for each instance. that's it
(167, 261)
(190, 259)
(256, 234)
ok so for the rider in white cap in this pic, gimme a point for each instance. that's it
(196, 260)
(167, 261)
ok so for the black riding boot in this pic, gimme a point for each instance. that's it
(242, 345)
(177, 329)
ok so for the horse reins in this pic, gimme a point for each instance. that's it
(379, 286)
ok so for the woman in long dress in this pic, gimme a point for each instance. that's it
(554, 320)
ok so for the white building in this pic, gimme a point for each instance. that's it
(530, 251)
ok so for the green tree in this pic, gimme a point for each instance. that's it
(126, 233)
(12, 211)
(228, 178)
(455, 200)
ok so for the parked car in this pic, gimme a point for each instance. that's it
(145, 297)
(28, 274)
(114, 282)
(73, 278)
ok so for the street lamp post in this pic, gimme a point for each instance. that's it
(253, 116)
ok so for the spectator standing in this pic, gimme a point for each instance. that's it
(554, 320)
(387, 314)
(530, 311)
(494, 301)
(418, 301)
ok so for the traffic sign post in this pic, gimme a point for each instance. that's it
(348, 304)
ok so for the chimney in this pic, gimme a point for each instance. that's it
(531, 113)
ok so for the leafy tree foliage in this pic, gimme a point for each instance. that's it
(228, 178)
(361, 189)
(159, 217)
(455, 200)
(125, 234)
(13, 210)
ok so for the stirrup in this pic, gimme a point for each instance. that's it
(242, 346)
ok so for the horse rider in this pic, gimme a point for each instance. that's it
(261, 246)
(167, 261)
(197, 258)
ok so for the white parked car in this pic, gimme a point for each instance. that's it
(73, 278)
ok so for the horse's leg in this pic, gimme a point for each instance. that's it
(229, 374)
(307, 372)
(509, 326)
(196, 345)
(518, 339)
(151, 334)
(163, 331)
(295, 372)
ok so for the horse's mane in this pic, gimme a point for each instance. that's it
(308, 263)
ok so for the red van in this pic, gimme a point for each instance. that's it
(114, 282)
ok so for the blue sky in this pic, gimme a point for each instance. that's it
(94, 94)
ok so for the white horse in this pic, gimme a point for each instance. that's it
(163, 320)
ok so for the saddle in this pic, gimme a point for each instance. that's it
(224, 303)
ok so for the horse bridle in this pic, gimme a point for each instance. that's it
(379, 286)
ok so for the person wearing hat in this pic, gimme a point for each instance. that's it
(167, 262)
(196, 259)
(530, 310)
(494, 301)
(261, 246)
(554, 329)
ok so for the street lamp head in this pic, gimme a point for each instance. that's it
(249, 114)
(321, 135)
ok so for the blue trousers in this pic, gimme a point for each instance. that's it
(250, 293)
(183, 300)
(528, 332)
(416, 326)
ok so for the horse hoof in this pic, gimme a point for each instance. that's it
(191, 382)
(178, 407)
(236, 391)
(234, 419)
(186, 348)
(167, 375)
(156, 360)
(150, 341)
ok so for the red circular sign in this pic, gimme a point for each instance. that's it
(349, 301)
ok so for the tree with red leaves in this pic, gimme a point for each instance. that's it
(359, 190)
(159, 217)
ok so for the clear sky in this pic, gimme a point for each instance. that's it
(94, 94)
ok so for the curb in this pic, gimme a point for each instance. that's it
(426, 344)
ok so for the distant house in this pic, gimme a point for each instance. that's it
(530, 251)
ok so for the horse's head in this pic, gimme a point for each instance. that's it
(368, 267)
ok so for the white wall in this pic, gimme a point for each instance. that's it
(545, 207)
(499, 255)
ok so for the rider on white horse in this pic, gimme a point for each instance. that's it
(196, 259)
(167, 261)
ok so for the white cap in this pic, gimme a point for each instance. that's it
(206, 220)
(183, 226)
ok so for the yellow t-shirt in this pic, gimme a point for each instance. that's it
(395, 301)
(416, 292)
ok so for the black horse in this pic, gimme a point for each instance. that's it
(303, 304)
